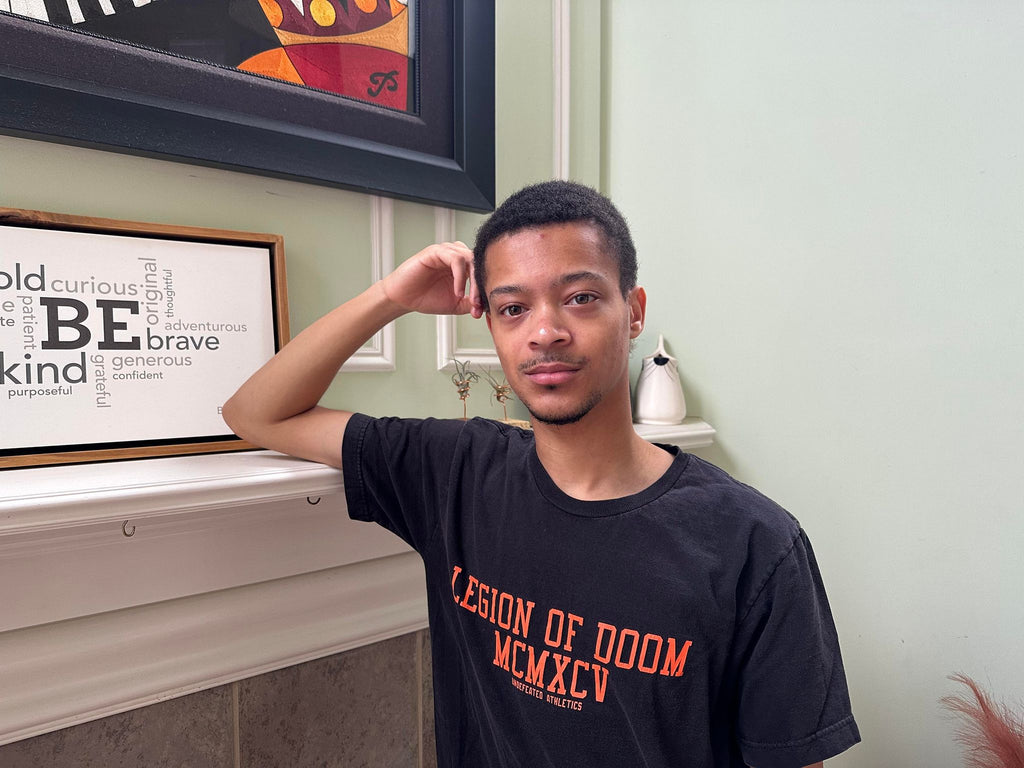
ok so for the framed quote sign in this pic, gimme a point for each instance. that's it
(122, 340)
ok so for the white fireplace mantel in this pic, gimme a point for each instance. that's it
(126, 583)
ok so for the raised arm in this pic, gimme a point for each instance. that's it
(277, 407)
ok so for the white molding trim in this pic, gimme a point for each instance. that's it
(63, 674)
(379, 353)
(37, 500)
(87, 539)
(562, 75)
(447, 330)
(126, 583)
(692, 433)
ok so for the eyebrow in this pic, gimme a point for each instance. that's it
(572, 277)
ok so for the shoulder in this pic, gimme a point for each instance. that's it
(747, 535)
(489, 429)
(476, 433)
(736, 516)
(724, 496)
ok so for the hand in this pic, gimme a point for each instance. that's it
(434, 282)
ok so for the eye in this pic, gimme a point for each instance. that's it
(582, 298)
(511, 310)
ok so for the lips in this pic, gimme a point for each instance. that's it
(551, 374)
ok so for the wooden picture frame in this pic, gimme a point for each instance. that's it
(121, 340)
(64, 85)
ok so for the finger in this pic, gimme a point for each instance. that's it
(459, 270)
(464, 254)
(476, 303)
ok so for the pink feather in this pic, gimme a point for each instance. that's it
(992, 734)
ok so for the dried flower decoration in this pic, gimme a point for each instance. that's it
(502, 392)
(463, 378)
(992, 734)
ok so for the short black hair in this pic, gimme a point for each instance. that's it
(559, 202)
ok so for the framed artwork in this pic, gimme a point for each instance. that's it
(392, 97)
(123, 340)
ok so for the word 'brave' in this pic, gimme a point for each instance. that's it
(79, 334)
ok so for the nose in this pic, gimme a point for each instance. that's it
(548, 329)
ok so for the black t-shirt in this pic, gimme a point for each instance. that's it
(685, 625)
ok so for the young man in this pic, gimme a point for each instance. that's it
(594, 599)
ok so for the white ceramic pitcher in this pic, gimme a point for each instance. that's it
(659, 394)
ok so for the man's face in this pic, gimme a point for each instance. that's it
(560, 324)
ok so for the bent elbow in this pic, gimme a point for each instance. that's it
(231, 413)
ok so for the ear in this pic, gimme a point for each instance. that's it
(637, 302)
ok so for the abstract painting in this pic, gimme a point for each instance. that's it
(391, 97)
(361, 49)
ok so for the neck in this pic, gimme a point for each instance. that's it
(601, 456)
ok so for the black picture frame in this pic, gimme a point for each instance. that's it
(72, 87)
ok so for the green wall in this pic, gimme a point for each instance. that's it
(828, 201)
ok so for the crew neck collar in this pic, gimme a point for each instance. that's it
(608, 507)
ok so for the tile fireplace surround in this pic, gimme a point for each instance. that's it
(125, 584)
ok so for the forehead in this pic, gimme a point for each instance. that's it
(548, 251)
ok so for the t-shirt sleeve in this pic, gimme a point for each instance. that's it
(793, 702)
(397, 472)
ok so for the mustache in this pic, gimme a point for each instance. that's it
(575, 362)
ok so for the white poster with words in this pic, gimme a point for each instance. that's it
(112, 338)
